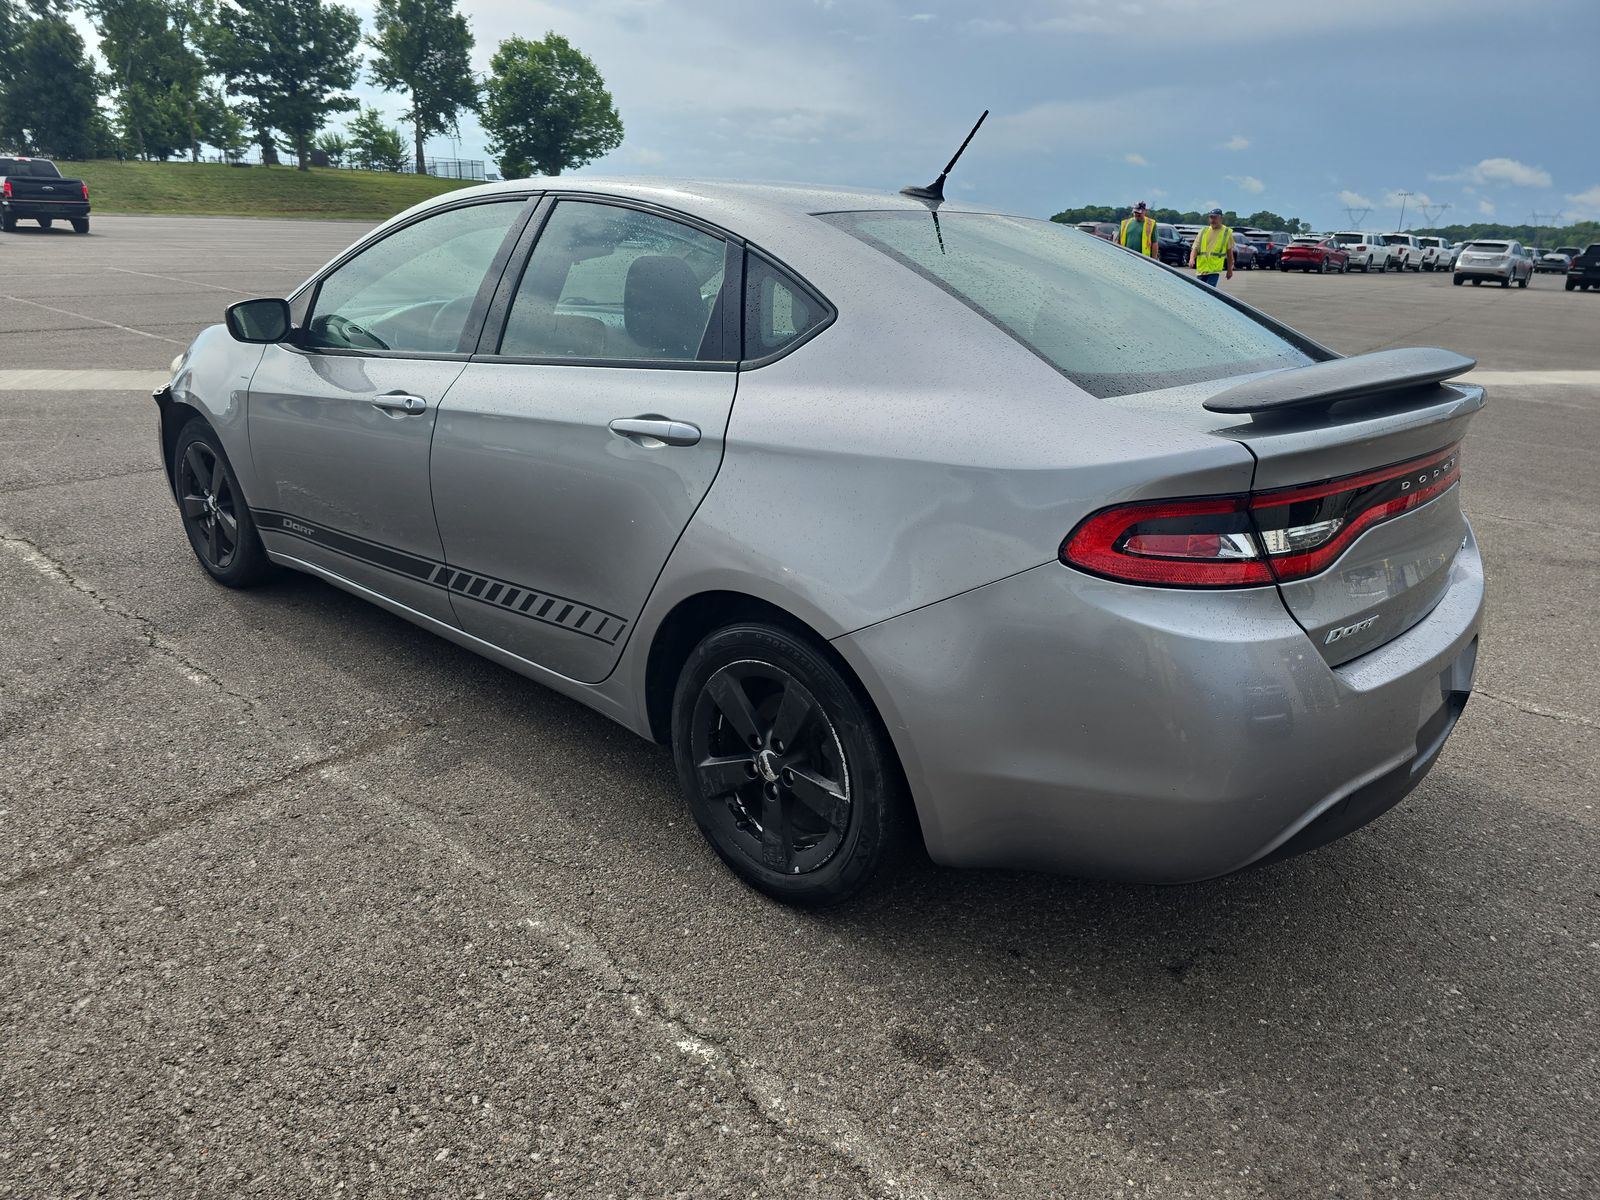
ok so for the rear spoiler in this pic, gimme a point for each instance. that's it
(1359, 377)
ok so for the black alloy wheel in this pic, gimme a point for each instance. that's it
(213, 510)
(786, 768)
(210, 507)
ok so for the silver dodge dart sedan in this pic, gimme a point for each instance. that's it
(894, 519)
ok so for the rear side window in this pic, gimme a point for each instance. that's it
(1110, 322)
(779, 311)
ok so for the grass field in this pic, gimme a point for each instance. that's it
(216, 190)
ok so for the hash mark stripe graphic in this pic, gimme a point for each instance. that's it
(496, 593)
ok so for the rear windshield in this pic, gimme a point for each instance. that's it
(29, 168)
(1307, 241)
(1397, 239)
(1111, 322)
(1350, 239)
(1496, 247)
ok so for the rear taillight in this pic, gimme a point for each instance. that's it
(6, 191)
(1244, 541)
(86, 191)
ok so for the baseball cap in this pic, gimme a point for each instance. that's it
(1140, 207)
(1215, 212)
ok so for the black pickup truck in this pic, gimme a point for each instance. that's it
(31, 189)
(1585, 270)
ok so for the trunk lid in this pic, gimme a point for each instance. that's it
(1330, 441)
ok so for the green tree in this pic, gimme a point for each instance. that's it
(293, 59)
(424, 47)
(156, 74)
(547, 108)
(220, 124)
(375, 146)
(48, 89)
(334, 146)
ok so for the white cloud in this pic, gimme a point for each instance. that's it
(1486, 207)
(1237, 142)
(1135, 160)
(1158, 193)
(922, 17)
(989, 27)
(1499, 170)
(1585, 204)
(1351, 199)
(1249, 183)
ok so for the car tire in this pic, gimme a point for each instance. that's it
(1523, 282)
(1344, 267)
(1506, 282)
(8, 224)
(1570, 285)
(213, 510)
(46, 222)
(80, 224)
(1457, 280)
(1477, 283)
(745, 689)
(1323, 269)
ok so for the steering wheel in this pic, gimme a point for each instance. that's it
(448, 319)
(352, 335)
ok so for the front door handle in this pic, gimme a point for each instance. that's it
(400, 404)
(655, 431)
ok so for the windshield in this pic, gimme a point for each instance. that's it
(1112, 322)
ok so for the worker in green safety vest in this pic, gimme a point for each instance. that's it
(1212, 251)
(1138, 232)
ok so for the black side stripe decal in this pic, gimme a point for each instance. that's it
(573, 616)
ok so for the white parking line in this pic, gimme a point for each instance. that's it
(81, 381)
(66, 312)
(1533, 378)
(215, 287)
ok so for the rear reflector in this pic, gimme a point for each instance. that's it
(1244, 541)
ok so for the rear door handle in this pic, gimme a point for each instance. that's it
(400, 404)
(656, 431)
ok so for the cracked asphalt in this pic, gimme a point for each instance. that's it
(297, 900)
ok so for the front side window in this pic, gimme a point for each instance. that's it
(606, 282)
(1109, 321)
(414, 289)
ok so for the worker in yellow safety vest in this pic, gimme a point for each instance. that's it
(1212, 251)
(1138, 232)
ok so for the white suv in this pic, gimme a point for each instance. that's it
(1367, 251)
(1435, 254)
(1407, 250)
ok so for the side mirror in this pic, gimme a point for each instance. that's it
(262, 322)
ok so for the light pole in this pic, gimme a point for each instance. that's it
(1403, 197)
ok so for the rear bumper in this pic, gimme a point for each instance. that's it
(1485, 272)
(1060, 722)
(29, 209)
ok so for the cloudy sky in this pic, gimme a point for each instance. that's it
(1300, 106)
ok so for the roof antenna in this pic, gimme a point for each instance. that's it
(933, 194)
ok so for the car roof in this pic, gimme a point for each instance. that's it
(749, 209)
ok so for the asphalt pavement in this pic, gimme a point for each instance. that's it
(297, 900)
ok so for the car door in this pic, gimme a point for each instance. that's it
(577, 444)
(341, 417)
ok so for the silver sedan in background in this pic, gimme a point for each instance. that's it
(895, 520)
